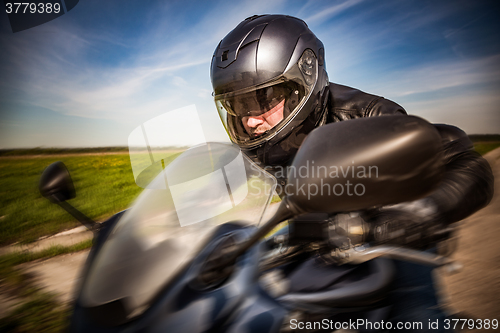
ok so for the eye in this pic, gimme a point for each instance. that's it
(270, 92)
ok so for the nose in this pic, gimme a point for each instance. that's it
(254, 121)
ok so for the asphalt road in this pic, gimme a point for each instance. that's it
(475, 291)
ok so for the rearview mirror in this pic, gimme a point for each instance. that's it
(361, 163)
(56, 184)
(357, 164)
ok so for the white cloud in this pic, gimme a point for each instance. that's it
(474, 112)
(332, 11)
(150, 80)
(431, 77)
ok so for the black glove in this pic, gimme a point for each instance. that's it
(414, 224)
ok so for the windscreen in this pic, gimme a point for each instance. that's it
(205, 186)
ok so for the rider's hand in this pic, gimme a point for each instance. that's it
(411, 223)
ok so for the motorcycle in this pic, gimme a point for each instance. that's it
(203, 250)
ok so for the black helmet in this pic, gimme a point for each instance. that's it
(270, 85)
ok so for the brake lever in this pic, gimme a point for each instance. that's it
(360, 254)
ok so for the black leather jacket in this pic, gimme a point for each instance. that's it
(467, 185)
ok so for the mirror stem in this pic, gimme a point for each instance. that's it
(220, 265)
(283, 213)
(85, 220)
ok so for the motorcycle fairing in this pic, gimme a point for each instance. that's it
(208, 185)
(181, 307)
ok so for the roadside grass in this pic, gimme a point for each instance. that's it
(41, 313)
(10, 260)
(104, 185)
(38, 311)
(485, 147)
(275, 199)
(59, 151)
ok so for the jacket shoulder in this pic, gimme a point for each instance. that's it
(349, 103)
(454, 134)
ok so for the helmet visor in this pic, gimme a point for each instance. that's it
(250, 115)
(254, 114)
(258, 102)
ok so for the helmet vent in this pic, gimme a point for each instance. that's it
(253, 17)
(224, 55)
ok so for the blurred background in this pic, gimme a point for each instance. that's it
(74, 88)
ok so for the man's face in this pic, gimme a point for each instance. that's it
(257, 125)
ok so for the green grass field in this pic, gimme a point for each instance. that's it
(104, 186)
(38, 310)
(484, 147)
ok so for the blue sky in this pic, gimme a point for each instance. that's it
(89, 77)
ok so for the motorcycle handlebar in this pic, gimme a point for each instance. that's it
(360, 254)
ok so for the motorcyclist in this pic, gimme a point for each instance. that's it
(271, 89)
